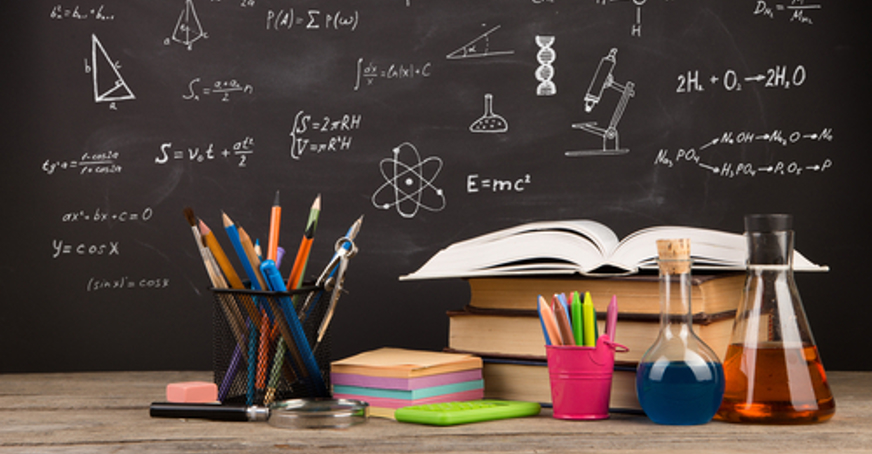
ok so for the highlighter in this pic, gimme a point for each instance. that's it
(589, 315)
(577, 319)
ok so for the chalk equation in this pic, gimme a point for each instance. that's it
(240, 151)
(776, 77)
(98, 215)
(222, 89)
(479, 47)
(333, 133)
(88, 164)
(62, 248)
(408, 183)
(61, 12)
(476, 183)
(312, 19)
(368, 73)
(96, 284)
(795, 10)
(698, 155)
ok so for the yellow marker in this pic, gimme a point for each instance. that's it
(589, 316)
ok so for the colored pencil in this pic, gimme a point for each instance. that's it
(220, 256)
(547, 317)
(275, 222)
(302, 259)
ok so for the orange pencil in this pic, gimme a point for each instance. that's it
(220, 256)
(548, 322)
(296, 278)
(275, 222)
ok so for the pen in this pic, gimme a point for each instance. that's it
(292, 330)
(589, 316)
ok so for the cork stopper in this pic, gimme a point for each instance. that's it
(674, 255)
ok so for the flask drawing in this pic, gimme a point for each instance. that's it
(679, 380)
(774, 374)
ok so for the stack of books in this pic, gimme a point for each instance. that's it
(392, 378)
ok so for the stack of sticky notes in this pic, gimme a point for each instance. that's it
(392, 378)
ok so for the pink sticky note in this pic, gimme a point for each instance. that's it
(192, 392)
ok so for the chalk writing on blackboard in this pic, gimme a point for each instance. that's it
(333, 133)
(77, 249)
(109, 86)
(475, 183)
(126, 283)
(602, 80)
(489, 122)
(795, 10)
(701, 156)
(89, 164)
(312, 19)
(60, 12)
(408, 185)
(222, 89)
(99, 215)
(188, 28)
(367, 74)
(478, 48)
(545, 71)
(779, 76)
(240, 151)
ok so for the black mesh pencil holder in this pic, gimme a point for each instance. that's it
(271, 346)
(280, 369)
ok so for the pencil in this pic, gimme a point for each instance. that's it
(546, 315)
(236, 240)
(220, 256)
(563, 323)
(275, 221)
(296, 278)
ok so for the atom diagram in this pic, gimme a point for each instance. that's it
(408, 183)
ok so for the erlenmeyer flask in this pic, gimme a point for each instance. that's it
(773, 371)
(679, 380)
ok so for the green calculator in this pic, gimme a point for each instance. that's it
(451, 413)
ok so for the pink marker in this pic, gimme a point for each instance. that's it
(612, 317)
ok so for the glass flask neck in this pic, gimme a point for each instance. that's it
(770, 248)
(675, 304)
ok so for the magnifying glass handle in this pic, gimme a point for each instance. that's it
(215, 412)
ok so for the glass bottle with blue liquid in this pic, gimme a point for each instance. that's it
(679, 380)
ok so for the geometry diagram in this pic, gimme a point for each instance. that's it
(188, 29)
(479, 47)
(109, 86)
(602, 80)
(409, 183)
(489, 122)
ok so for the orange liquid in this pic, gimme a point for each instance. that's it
(775, 385)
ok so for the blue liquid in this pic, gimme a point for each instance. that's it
(680, 393)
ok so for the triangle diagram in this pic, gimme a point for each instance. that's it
(109, 86)
(478, 47)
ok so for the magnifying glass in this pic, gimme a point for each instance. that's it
(308, 413)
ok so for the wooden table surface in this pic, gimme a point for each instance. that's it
(108, 412)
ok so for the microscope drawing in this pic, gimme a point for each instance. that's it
(602, 80)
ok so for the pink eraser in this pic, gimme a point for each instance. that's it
(192, 391)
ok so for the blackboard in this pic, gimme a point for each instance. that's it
(119, 114)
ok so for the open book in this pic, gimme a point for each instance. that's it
(585, 247)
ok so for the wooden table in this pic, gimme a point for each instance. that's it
(108, 412)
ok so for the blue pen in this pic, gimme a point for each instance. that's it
(276, 283)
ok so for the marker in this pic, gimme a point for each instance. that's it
(589, 315)
(577, 319)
